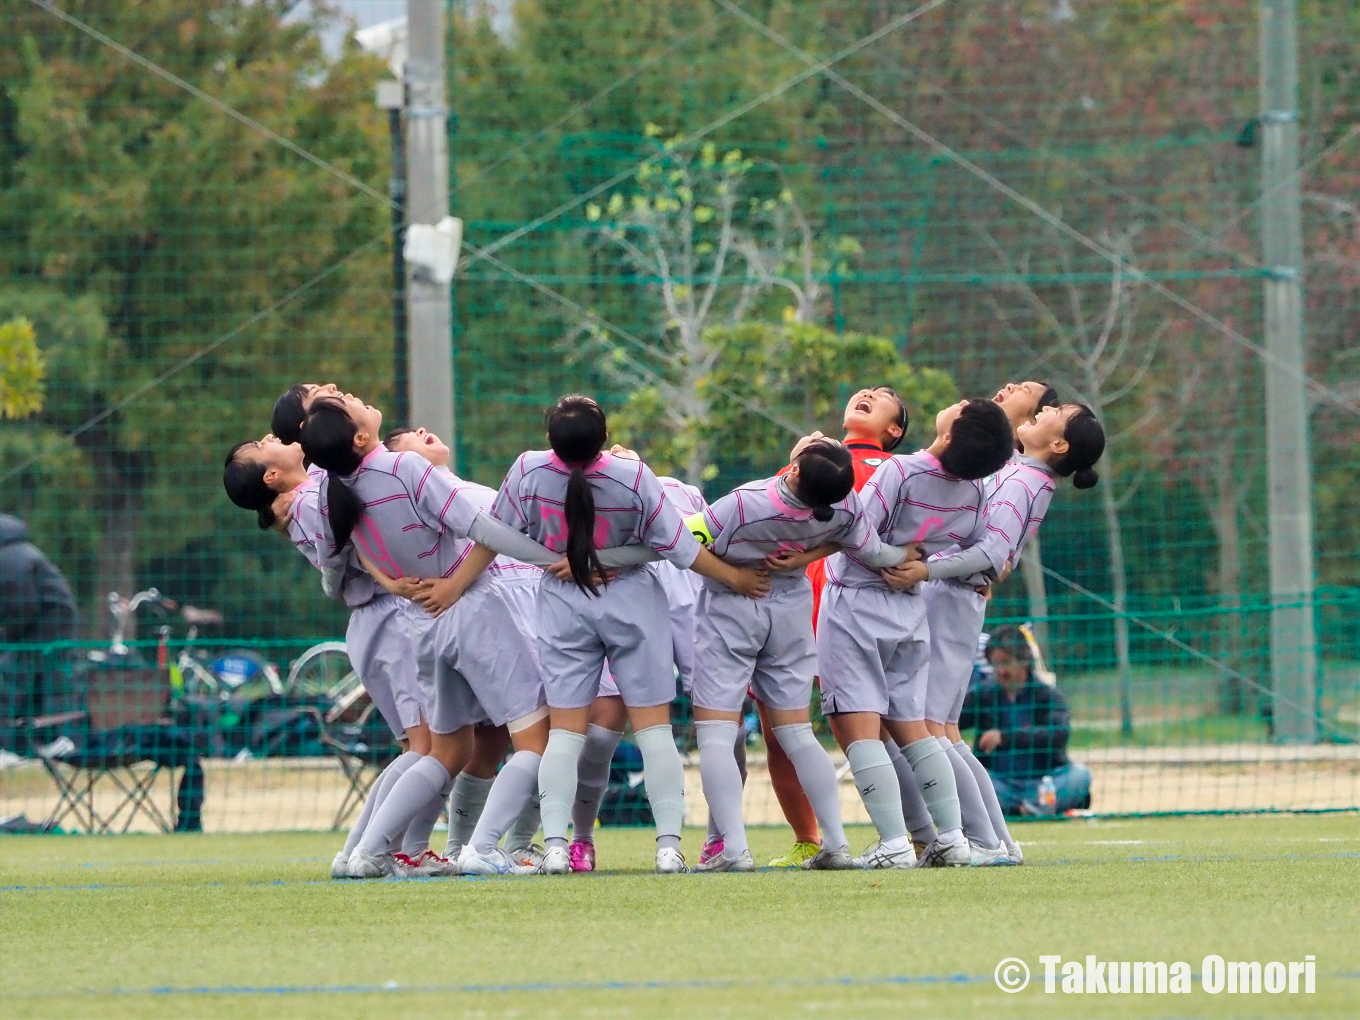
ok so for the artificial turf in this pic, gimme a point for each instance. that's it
(247, 926)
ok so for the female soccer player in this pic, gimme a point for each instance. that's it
(954, 611)
(577, 499)
(875, 422)
(410, 519)
(608, 714)
(1058, 442)
(255, 475)
(476, 819)
(782, 522)
(873, 638)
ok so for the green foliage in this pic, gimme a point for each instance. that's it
(798, 373)
(21, 370)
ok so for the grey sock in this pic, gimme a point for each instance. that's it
(988, 791)
(524, 830)
(376, 793)
(877, 785)
(818, 778)
(977, 826)
(402, 764)
(465, 808)
(416, 839)
(914, 809)
(557, 783)
(413, 791)
(665, 779)
(722, 783)
(935, 780)
(592, 779)
(514, 787)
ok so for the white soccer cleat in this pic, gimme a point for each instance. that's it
(989, 857)
(879, 856)
(1016, 855)
(556, 861)
(340, 865)
(955, 854)
(363, 864)
(833, 860)
(530, 857)
(670, 861)
(497, 862)
(720, 862)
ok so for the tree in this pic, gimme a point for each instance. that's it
(150, 224)
(1104, 356)
(21, 370)
(768, 384)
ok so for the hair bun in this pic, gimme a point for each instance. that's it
(265, 518)
(823, 513)
(1086, 478)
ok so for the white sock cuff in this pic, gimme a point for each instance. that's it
(793, 735)
(715, 731)
(961, 746)
(434, 768)
(525, 760)
(866, 754)
(653, 735)
(472, 784)
(919, 750)
(565, 741)
(945, 743)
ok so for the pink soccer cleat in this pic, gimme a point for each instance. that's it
(711, 850)
(582, 854)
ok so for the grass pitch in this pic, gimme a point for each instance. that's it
(249, 926)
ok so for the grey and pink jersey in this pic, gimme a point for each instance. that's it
(416, 516)
(1016, 506)
(307, 532)
(630, 506)
(909, 500)
(764, 518)
(503, 568)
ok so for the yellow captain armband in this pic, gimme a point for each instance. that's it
(698, 527)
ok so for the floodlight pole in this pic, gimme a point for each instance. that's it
(1293, 642)
(391, 97)
(428, 302)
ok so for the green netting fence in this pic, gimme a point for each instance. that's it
(643, 180)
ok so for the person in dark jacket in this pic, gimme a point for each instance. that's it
(1022, 730)
(36, 608)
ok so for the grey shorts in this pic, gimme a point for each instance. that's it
(873, 652)
(955, 613)
(476, 662)
(380, 649)
(628, 623)
(763, 644)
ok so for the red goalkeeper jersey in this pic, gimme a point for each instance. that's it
(867, 456)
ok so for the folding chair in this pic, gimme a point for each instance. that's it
(117, 701)
(362, 746)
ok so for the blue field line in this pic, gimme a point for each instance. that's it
(560, 986)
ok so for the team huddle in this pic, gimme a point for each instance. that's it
(538, 620)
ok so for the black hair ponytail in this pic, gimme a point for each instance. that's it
(1085, 443)
(327, 438)
(577, 432)
(826, 474)
(244, 482)
(286, 421)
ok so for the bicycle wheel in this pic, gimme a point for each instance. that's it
(322, 671)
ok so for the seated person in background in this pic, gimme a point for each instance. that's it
(1022, 730)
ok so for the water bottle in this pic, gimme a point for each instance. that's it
(1048, 796)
